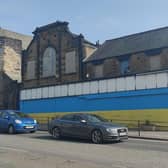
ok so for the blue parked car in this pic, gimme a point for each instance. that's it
(14, 122)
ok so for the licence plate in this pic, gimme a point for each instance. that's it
(123, 133)
(29, 127)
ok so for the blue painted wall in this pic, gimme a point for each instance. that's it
(127, 100)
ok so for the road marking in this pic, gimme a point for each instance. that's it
(13, 149)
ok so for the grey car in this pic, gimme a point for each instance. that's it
(87, 126)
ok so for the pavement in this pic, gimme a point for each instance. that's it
(153, 135)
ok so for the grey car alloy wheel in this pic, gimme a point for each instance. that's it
(56, 133)
(97, 137)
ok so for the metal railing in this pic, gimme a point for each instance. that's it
(43, 122)
(140, 126)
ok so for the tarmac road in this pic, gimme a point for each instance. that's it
(40, 150)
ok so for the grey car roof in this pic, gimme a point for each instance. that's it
(152, 39)
(80, 114)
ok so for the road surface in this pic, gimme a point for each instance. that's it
(40, 150)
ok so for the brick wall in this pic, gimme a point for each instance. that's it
(138, 63)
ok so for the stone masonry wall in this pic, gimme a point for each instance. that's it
(10, 72)
(62, 41)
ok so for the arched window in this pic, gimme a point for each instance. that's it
(49, 62)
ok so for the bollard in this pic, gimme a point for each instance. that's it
(48, 123)
(139, 128)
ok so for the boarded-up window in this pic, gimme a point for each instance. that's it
(49, 62)
(98, 71)
(124, 66)
(70, 62)
(30, 70)
(155, 62)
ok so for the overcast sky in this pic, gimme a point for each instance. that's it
(95, 19)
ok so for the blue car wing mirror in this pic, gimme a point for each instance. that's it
(6, 117)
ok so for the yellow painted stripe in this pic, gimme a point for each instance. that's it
(160, 115)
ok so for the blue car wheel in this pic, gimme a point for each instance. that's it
(56, 133)
(11, 129)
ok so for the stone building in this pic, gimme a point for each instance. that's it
(11, 46)
(129, 55)
(54, 56)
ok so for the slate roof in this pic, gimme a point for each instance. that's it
(24, 38)
(152, 39)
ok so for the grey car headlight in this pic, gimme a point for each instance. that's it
(111, 130)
